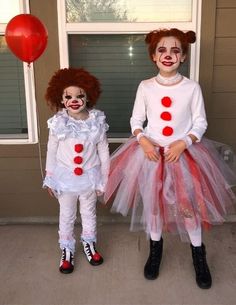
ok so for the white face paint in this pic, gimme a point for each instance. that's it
(168, 56)
(74, 99)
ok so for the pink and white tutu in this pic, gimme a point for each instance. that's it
(196, 188)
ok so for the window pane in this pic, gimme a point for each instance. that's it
(120, 62)
(12, 94)
(9, 9)
(128, 11)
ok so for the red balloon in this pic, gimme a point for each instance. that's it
(26, 37)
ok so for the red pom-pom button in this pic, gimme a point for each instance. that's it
(78, 171)
(66, 265)
(166, 116)
(166, 101)
(167, 131)
(78, 160)
(97, 257)
(79, 148)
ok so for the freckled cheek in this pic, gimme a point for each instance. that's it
(177, 57)
(159, 57)
(66, 103)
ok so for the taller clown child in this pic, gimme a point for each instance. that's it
(168, 175)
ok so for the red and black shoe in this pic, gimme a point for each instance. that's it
(93, 257)
(67, 261)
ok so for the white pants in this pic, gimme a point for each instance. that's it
(68, 214)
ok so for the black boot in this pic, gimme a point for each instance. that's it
(151, 268)
(203, 276)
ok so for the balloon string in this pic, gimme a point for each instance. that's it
(38, 122)
(39, 146)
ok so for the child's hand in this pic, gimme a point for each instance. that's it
(99, 193)
(175, 150)
(50, 192)
(149, 149)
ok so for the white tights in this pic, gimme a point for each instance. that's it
(194, 231)
(68, 215)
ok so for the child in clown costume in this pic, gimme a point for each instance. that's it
(77, 163)
(168, 175)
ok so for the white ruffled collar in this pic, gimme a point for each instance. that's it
(63, 126)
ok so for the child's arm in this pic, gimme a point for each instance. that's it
(50, 160)
(51, 154)
(139, 111)
(149, 148)
(103, 153)
(199, 125)
(136, 122)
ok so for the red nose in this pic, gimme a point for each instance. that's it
(74, 102)
(168, 57)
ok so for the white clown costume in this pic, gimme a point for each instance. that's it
(77, 166)
(177, 196)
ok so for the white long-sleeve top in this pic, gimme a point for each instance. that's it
(77, 153)
(186, 114)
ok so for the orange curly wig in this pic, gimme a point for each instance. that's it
(67, 77)
(155, 36)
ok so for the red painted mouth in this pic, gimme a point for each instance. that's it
(168, 63)
(75, 107)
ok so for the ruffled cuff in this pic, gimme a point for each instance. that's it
(101, 187)
(48, 181)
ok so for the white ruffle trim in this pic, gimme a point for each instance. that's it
(92, 129)
(64, 180)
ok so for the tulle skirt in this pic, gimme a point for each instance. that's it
(196, 189)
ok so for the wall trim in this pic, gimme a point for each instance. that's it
(207, 50)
